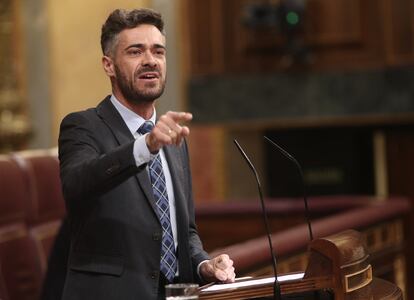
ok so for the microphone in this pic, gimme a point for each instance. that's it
(276, 285)
(296, 163)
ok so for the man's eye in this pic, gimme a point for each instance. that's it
(134, 52)
(160, 52)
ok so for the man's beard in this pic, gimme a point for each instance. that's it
(133, 94)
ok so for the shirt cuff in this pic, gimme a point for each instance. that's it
(141, 153)
(198, 269)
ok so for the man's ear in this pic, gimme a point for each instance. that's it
(108, 66)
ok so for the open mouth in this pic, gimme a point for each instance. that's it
(149, 76)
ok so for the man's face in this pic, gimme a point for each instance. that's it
(140, 63)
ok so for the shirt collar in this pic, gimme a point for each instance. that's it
(131, 119)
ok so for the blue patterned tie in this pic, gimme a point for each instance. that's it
(168, 264)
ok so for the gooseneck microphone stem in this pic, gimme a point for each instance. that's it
(276, 286)
(296, 163)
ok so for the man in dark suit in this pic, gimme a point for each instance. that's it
(126, 178)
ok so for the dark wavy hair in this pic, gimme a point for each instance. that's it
(121, 19)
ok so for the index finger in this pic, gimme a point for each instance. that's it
(180, 116)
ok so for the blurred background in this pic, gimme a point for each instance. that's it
(331, 81)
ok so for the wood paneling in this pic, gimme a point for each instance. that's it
(333, 22)
(399, 31)
(205, 29)
(337, 33)
(400, 149)
(207, 164)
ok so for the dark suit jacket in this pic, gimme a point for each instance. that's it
(115, 232)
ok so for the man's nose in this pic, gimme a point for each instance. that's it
(149, 59)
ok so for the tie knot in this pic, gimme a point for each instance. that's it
(145, 127)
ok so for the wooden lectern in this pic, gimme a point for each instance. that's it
(338, 269)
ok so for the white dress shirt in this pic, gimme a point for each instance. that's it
(143, 155)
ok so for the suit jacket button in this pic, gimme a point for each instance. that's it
(153, 275)
(156, 236)
(112, 169)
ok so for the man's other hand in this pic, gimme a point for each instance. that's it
(219, 268)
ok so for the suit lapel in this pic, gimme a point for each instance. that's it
(108, 113)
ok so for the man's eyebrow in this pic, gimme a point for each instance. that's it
(134, 46)
(142, 46)
(159, 46)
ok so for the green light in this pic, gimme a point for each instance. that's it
(292, 18)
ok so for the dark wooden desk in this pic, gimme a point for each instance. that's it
(380, 222)
(339, 268)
